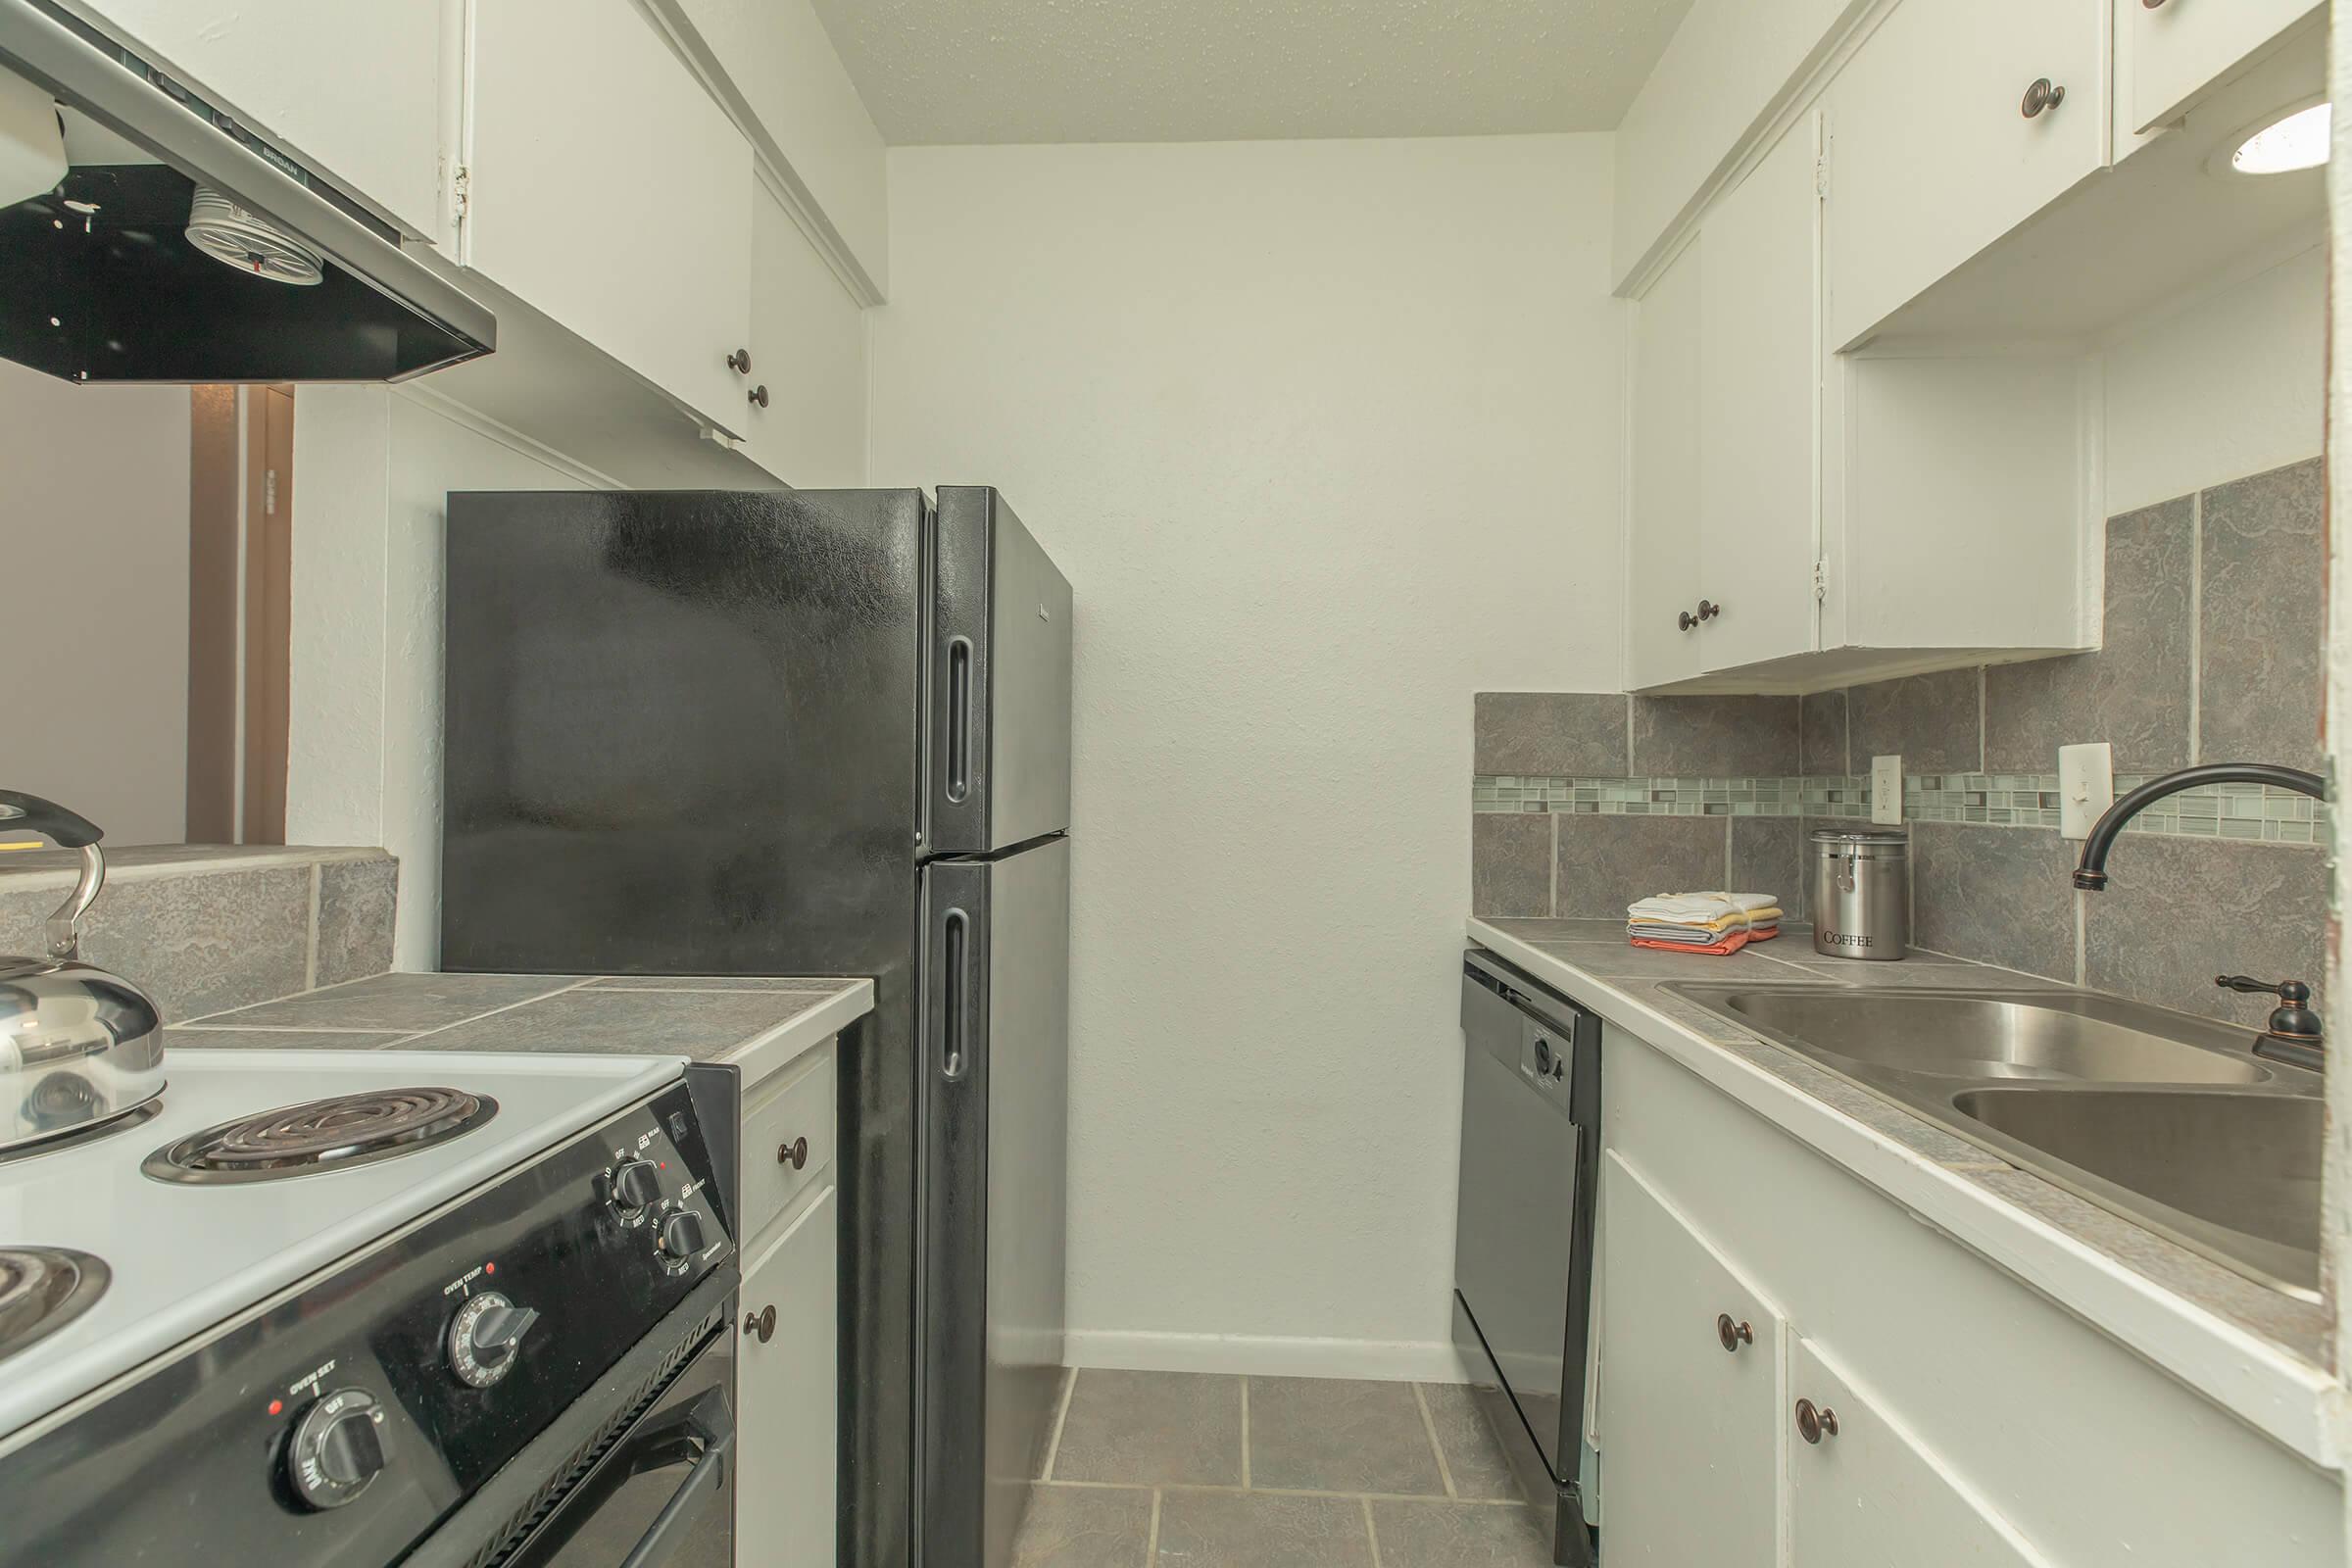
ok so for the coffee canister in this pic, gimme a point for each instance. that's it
(1861, 904)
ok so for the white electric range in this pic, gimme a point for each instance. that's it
(319, 1301)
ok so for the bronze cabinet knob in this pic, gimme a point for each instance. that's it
(1686, 620)
(794, 1154)
(1708, 610)
(2042, 95)
(759, 395)
(1813, 1422)
(740, 361)
(760, 1325)
(1733, 1335)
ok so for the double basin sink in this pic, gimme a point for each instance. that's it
(2167, 1119)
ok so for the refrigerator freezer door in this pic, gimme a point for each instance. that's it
(1000, 726)
(681, 732)
(995, 1069)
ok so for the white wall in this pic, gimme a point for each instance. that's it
(1326, 436)
(2232, 382)
(94, 531)
(374, 468)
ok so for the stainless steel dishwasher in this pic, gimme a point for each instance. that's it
(1523, 1239)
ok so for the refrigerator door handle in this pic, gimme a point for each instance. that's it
(959, 719)
(956, 1009)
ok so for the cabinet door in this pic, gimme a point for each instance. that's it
(609, 190)
(808, 355)
(1867, 1494)
(785, 1389)
(1687, 1444)
(1932, 156)
(1663, 565)
(355, 89)
(1761, 349)
(2180, 47)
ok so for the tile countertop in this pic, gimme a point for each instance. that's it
(2258, 1352)
(757, 1023)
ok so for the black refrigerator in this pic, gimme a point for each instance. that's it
(823, 733)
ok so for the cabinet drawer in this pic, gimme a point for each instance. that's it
(794, 1106)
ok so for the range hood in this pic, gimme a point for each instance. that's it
(181, 246)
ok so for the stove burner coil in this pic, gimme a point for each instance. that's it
(42, 1289)
(321, 1135)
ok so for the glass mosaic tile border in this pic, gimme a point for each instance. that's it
(1640, 797)
(2248, 812)
(2251, 812)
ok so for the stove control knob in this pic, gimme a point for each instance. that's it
(636, 1187)
(681, 1237)
(337, 1448)
(485, 1339)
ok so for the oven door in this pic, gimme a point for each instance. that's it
(665, 1496)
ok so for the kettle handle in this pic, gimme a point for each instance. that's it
(69, 830)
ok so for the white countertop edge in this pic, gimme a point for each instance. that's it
(764, 1055)
(2276, 1393)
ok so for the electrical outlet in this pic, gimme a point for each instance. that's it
(2086, 787)
(1886, 789)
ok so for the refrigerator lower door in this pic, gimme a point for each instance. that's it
(999, 732)
(995, 1114)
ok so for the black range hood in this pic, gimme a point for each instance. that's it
(99, 280)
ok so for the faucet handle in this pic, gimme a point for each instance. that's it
(2291, 991)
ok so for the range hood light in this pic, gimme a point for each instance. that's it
(2296, 139)
(249, 242)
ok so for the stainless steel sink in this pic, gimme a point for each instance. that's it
(2167, 1119)
(1987, 1035)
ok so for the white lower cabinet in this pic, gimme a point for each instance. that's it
(1863, 1492)
(1688, 1406)
(788, 1321)
(1898, 1398)
(787, 1433)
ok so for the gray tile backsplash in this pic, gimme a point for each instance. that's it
(1933, 722)
(2263, 562)
(223, 928)
(2211, 652)
(1560, 734)
(1675, 736)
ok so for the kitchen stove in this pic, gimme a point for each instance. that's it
(310, 1309)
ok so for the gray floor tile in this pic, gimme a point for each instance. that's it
(1329, 1435)
(1152, 1428)
(1262, 1530)
(1459, 1535)
(1085, 1527)
(1474, 1457)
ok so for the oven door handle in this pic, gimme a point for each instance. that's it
(716, 1442)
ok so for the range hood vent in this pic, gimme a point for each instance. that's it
(220, 260)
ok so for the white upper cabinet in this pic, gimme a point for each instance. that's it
(773, 63)
(1662, 564)
(354, 90)
(1761, 357)
(610, 191)
(1943, 138)
(2179, 47)
(807, 417)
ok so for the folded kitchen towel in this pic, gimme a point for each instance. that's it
(1683, 908)
(1730, 942)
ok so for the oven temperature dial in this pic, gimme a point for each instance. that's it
(636, 1187)
(337, 1448)
(485, 1338)
(679, 1239)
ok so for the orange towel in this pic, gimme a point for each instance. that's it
(1732, 943)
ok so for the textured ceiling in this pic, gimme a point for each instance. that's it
(1047, 71)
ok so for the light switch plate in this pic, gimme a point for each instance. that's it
(1886, 789)
(2086, 787)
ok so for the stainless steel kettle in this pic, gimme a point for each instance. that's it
(79, 1045)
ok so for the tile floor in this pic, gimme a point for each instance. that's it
(1189, 1470)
